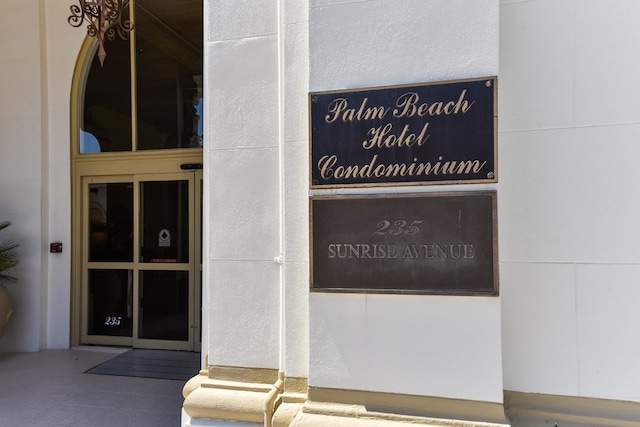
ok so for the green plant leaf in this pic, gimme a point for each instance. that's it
(8, 257)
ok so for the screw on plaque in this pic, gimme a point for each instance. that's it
(488, 83)
(490, 175)
(314, 98)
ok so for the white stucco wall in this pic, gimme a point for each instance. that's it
(296, 179)
(22, 112)
(34, 166)
(423, 345)
(255, 200)
(63, 44)
(241, 156)
(569, 132)
(243, 204)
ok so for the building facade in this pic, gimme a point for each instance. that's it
(177, 177)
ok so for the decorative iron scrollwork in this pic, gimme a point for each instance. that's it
(104, 20)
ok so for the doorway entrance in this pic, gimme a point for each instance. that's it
(137, 143)
(142, 267)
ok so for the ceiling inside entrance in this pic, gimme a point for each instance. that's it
(174, 27)
(183, 18)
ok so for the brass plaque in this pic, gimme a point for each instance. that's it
(435, 243)
(431, 133)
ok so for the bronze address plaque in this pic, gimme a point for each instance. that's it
(436, 243)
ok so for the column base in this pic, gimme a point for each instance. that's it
(317, 415)
(221, 394)
(352, 408)
(544, 410)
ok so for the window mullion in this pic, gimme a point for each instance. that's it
(134, 90)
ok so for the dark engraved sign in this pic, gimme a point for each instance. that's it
(430, 133)
(435, 243)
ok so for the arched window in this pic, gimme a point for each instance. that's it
(152, 99)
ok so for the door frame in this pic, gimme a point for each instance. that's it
(113, 164)
(154, 164)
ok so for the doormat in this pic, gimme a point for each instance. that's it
(159, 364)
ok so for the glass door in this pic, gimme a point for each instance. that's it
(142, 263)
